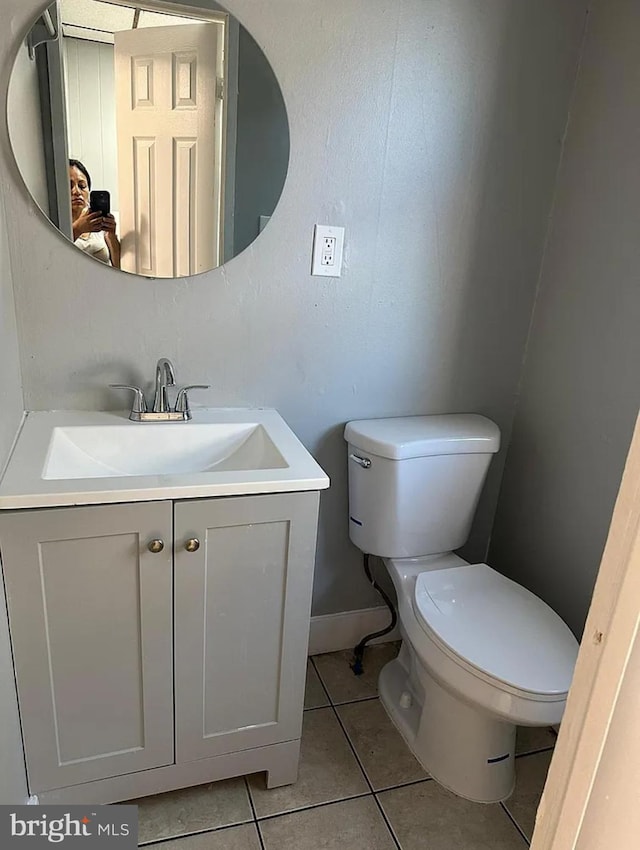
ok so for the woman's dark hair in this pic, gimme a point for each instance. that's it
(81, 167)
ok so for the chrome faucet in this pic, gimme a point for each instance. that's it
(161, 411)
(165, 377)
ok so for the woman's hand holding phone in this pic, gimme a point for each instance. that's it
(108, 224)
(88, 222)
(98, 217)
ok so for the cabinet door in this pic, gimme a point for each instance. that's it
(242, 606)
(90, 612)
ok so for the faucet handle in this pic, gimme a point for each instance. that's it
(182, 400)
(139, 403)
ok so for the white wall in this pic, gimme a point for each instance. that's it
(581, 388)
(91, 111)
(431, 130)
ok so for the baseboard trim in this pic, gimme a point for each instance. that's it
(333, 632)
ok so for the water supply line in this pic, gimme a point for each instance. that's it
(358, 652)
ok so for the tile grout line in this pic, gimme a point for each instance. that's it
(515, 823)
(535, 752)
(392, 831)
(356, 756)
(321, 680)
(333, 704)
(340, 704)
(369, 793)
(407, 784)
(253, 812)
(417, 781)
(366, 778)
(154, 842)
(316, 708)
(357, 700)
(311, 806)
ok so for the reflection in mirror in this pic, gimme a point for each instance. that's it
(152, 134)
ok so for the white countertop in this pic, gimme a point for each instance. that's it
(23, 485)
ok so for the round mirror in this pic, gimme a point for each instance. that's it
(152, 134)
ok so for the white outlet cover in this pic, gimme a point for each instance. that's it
(321, 232)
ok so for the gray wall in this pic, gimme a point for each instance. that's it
(11, 402)
(26, 125)
(581, 387)
(431, 130)
(12, 777)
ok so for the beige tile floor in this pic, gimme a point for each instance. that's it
(359, 787)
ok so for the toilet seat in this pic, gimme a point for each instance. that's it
(497, 630)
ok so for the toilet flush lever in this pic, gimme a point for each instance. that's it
(364, 462)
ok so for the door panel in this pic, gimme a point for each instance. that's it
(90, 612)
(242, 605)
(237, 644)
(168, 161)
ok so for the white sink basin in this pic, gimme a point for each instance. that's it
(99, 451)
(83, 458)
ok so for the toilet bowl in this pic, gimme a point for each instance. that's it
(480, 654)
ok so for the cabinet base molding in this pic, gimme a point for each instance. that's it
(280, 761)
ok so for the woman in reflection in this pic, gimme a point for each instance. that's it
(93, 233)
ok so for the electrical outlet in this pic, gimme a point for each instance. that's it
(327, 250)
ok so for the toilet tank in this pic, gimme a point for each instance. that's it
(415, 481)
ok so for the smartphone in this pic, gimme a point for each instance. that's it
(100, 201)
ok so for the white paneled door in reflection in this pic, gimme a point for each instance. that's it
(169, 148)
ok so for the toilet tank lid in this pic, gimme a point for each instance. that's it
(421, 436)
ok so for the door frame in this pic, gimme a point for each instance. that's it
(53, 109)
(226, 106)
(611, 633)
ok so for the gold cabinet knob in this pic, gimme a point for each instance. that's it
(155, 546)
(192, 545)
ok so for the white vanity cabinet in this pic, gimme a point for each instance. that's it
(139, 671)
(242, 609)
(90, 615)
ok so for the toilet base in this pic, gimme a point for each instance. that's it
(466, 751)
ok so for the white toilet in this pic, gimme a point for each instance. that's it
(480, 654)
